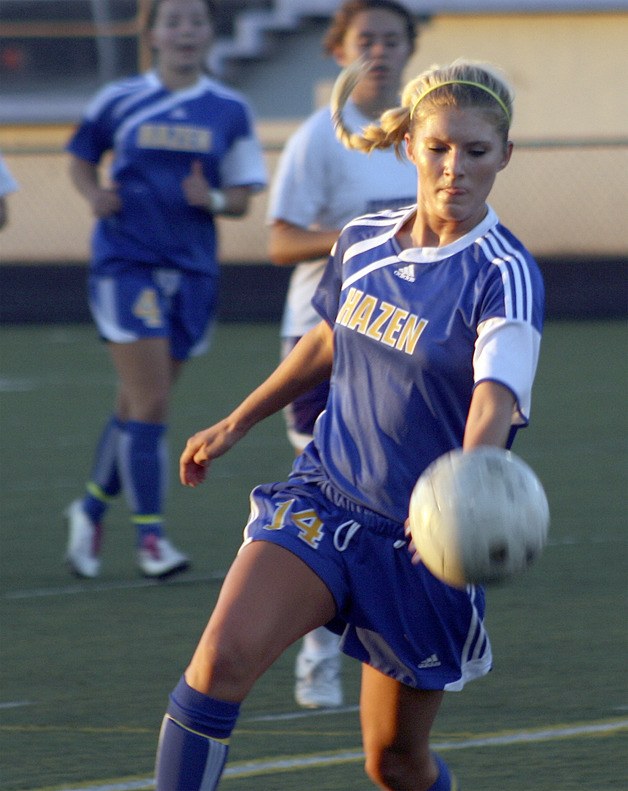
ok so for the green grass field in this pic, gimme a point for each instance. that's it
(86, 667)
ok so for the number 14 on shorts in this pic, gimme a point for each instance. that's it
(309, 524)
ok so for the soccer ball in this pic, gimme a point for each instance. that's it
(479, 516)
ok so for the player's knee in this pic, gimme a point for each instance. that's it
(397, 769)
(225, 665)
(146, 400)
(151, 406)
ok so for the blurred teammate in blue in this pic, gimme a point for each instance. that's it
(431, 325)
(7, 185)
(319, 186)
(184, 150)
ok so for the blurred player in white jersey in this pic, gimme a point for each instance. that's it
(319, 186)
(184, 150)
(431, 320)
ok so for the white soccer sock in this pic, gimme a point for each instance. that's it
(321, 642)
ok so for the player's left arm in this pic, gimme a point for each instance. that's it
(290, 244)
(229, 201)
(490, 416)
(238, 200)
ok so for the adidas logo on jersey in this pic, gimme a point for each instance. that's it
(406, 273)
(431, 661)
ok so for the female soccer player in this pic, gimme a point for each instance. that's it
(320, 185)
(184, 150)
(7, 185)
(431, 324)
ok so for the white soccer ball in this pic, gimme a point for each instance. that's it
(479, 516)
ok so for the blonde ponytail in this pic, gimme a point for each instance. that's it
(393, 123)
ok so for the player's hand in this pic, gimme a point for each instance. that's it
(106, 202)
(202, 448)
(416, 558)
(195, 186)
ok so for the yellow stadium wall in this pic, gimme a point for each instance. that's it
(565, 192)
(568, 71)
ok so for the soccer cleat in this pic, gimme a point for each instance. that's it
(84, 538)
(318, 684)
(156, 557)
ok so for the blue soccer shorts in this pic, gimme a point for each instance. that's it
(392, 614)
(301, 414)
(147, 302)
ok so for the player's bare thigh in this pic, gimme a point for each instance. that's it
(396, 724)
(146, 373)
(270, 598)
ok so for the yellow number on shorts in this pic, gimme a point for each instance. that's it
(308, 522)
(146, 308)
(280, 515)
(310, 527)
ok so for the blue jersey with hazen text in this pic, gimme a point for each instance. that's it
(155, 135)
(414, 331)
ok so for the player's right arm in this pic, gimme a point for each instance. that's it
(104, 201)
(290, 244)
(307, 365)
(299, 195)
(490, 416)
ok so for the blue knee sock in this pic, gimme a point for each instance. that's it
(104, 483)
(194, 740)
(143, 460)
(446, 781)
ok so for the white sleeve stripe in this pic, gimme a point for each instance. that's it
(525, 302)
(515, 276)
(511, 278)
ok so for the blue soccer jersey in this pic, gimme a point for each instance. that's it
(414, 331)
(155, 135)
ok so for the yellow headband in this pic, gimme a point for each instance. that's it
(479, 85)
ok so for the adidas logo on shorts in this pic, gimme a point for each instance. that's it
(431, 661)
(406, 273)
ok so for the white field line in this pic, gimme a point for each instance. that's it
(188, 579)
(14, 704)
(269, 766)
(115, 585)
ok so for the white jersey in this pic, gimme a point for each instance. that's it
(321, 184)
